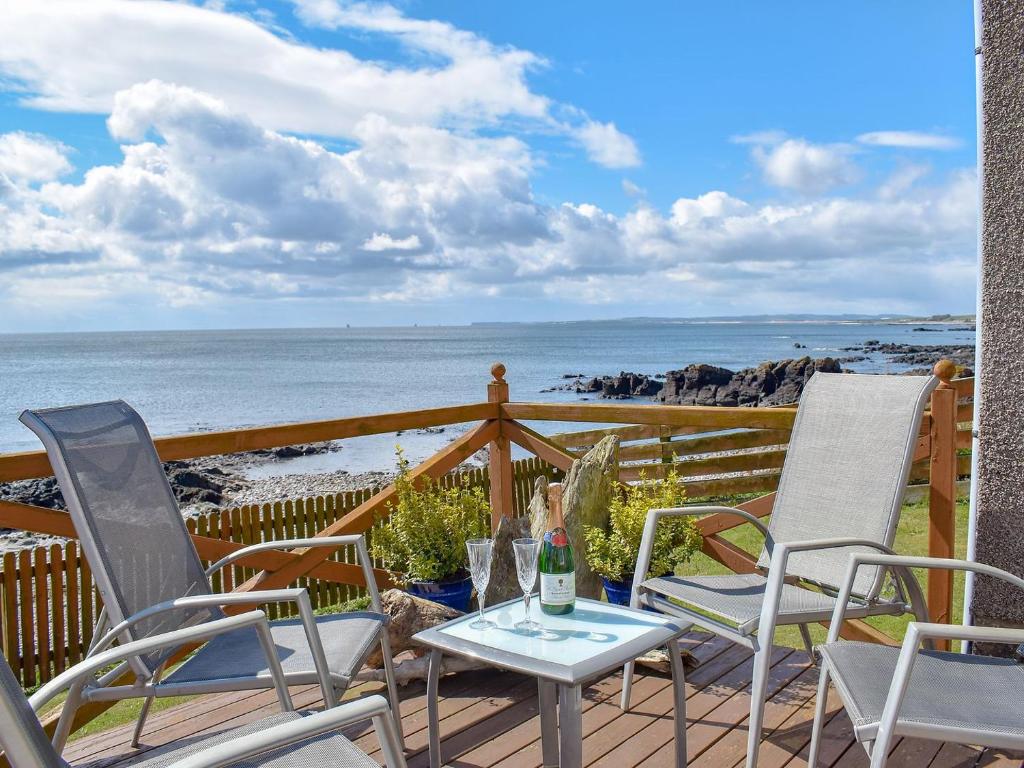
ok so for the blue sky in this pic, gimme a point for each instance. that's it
(319, 162)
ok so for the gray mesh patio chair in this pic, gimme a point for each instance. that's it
(890, 692)
(841, 490)
(151, 579)
(287, 740)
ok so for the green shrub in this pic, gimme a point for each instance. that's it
(613, 553)
(424, 535)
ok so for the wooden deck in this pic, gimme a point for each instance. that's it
(489, 718)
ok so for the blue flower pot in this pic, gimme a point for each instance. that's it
(617, 591)
(454, 592)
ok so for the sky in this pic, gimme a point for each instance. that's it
(233, 163)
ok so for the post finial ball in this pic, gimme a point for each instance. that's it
(498, 371)
(945, 370)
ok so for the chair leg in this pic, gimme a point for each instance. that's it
(144, 712)
(805, 635)
(819, 717)
(759, 684)
(141, 722)
(627, 685)
(389, 676)
(390, 740)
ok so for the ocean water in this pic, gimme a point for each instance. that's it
(185, 381)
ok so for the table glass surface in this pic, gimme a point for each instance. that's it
(592, 628)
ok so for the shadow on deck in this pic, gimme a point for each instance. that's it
(489, 718)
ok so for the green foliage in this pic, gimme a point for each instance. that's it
(613, 553)
(424, 535)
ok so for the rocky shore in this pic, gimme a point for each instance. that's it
(770, 383)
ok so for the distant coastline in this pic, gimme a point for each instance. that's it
(851, 319)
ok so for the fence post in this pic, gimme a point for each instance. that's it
(942, 492)
(500, 455)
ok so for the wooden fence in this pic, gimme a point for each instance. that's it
(49, 601)
(717, 452)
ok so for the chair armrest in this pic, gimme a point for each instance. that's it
(643, 561)
(334, 542)
(1002, 635)
(173, 639)
(905, 562)
(295, 594)
(777, 575)
(287, 733)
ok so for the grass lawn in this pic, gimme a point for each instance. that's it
(911, 539)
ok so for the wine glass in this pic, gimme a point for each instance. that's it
(480, 571)
(526, 551)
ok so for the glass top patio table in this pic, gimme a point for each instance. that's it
(596, 637)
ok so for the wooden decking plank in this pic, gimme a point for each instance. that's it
(599, 717)
(961, 756)
(709, 727)
(598, 712)
(620, 736)
(460, 712)
(118, 737)
(481, 720)
(914, 752)
(231, 715)
(732, 747)
(516, 742)
(791, 740)
(490, 720)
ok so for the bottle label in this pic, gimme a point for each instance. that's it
(558, 588)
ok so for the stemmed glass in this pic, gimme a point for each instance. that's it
(480, 571)
(526, 570)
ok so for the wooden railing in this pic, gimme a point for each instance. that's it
(716, 451)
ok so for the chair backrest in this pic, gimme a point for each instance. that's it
(846, 470)
(23, 739)
(131, 530)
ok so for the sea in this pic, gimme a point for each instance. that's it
(188, 381)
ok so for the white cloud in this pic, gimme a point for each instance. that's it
(608, 146)
(281, 83)
(453, 78)
(209, 207)
(30, 157)
(381, 241)
(804, 167)
(908, 140)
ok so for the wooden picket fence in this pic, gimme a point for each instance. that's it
(49, 601)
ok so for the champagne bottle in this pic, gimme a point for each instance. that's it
(556, 566)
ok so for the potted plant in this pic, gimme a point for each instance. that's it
(422, 541)
(612, 553)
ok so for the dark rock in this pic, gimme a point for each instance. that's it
(573, 375)
(926, 330)
(771, 383)
(798, 345)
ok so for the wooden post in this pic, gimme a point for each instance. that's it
(942, 492)
(500, 462)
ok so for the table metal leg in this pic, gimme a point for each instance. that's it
(433, 728)
(547, 696)
(679, 695)
(570, 726)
